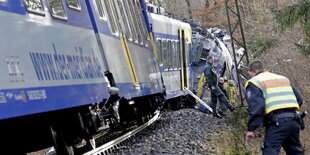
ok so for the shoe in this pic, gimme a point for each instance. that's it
(217, 115)
(51, 151)
(222, 114)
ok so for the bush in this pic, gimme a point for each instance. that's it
(237, 144)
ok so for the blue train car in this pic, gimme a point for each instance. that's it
(182, 56)
(71, 68)
(52, 71)
(173, 40)
(122, 34)
(50, 58)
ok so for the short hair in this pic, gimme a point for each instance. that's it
(210, 57)
(256, 66)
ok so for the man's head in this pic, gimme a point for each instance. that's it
(255, 67)
(210, 59)
(221, 80)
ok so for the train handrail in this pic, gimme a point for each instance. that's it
(198, 99)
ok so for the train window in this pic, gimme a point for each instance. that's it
(139, 27)
(174, 55)
(169, 55)
(112, 16)
(188, 47)
(118, 17)
(130, 19)
(34, 6)
(164, 53)
(159, 50)
(146, 37)
(125, 19)
(100, 9)
(57, 9)
(74, 4)
(178, 55)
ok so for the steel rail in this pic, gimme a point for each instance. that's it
(104, 149)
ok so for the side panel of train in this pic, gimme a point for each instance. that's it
(122, 33)
(56, 54)
(173, 40)
(52, 70)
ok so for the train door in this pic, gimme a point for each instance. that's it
(134, 38)
(118, 20)
(183, 59)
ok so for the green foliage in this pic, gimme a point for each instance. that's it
(303, 49)
(296, 14)
(259, 44)
(238, 121)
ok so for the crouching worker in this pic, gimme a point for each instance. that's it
(216, 93)
(273, 102)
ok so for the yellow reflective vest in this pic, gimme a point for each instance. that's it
(277, 91)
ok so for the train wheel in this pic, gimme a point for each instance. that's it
(138, 115)
(62, 148)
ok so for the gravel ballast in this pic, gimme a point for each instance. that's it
(186, 131)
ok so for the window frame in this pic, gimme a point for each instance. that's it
(137, 18)
(65, 17)
(128, 8)
(178, 55)
(115, 30)
(174, 57)
(144, 32)
(159, 49)
(169, 54)
(34, 11)
(187, 50)
(103, 10)
(164, 53)
(124, 18)
(79, 8)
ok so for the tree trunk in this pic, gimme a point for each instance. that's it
(159, 2)
(189, 9)
(207, 5)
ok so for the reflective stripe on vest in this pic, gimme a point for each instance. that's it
(277, 91)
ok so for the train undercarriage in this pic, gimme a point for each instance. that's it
(73, 131)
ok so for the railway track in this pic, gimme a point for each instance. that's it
(108, 147)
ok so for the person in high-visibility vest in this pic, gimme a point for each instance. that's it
(273, 102)
(231, 92)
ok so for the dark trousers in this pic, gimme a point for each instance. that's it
(285, 134)
(217, 94)
(221, 86)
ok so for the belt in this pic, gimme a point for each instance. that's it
(283, 114)
(286, 115)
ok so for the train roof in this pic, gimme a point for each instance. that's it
(167, 25)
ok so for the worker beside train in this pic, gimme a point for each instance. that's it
(211, 81)
(273, 102)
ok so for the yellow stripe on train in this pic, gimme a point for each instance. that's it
(130, 64)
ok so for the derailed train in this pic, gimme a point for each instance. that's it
(72, 68)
